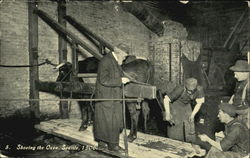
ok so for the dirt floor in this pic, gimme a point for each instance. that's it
(20, 131)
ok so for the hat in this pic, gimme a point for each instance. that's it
(228, 108)
(191, 83)
(240, 66)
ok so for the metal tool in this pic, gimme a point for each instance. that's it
(124, 122)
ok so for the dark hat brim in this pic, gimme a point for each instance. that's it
(237, 69)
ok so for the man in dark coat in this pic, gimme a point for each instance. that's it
(108, 114)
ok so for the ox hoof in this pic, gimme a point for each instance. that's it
(83, 127)
(131, 138)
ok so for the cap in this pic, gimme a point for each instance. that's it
(228, 108)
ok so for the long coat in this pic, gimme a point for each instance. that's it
(108, 114)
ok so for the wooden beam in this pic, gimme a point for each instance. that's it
(143, 13)
(62, 44)
(87, 75)
(62, 30)
(74, 60)
(33, 59)
(62, 48)
(236, 26)
(80, 27)
(65, 87)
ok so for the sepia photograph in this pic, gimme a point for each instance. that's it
(124, 78)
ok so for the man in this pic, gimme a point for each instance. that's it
(108, 114)
(240, 98)
(179, 113)
(235, 144)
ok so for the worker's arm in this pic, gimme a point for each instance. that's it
(231, 99)
(215, 144)
(166, 102)
(199, 102)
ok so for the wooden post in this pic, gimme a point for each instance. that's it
(180, 64)
(62, 49)
(74, 60)
(170, 62)
(33, 59)
(62, 44)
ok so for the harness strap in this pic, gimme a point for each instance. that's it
(243, 97)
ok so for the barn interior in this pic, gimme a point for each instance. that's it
(181, 39)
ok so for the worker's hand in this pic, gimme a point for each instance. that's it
(125, 80)
(203, 137)
(191, 118)
(167, 117)
(230, 101)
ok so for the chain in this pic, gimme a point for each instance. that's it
(21, 66)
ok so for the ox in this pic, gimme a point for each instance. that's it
(140, 70)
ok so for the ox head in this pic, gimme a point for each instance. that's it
(64, 71)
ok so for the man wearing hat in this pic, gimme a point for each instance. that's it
(179, 113)
(108, 114)
(235, 144)
(240, 98)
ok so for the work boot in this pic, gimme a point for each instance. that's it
(84, 126)
(102, 145)
(131, 138)
(114, 147)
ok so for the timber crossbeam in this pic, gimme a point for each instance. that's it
(62, 30)
(65, 87)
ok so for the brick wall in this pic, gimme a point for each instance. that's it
(106, 19)
(174, 41)
(14, 51)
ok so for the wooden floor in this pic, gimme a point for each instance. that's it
(145, 146)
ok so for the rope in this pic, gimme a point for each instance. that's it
(21, 66)
(21, 99)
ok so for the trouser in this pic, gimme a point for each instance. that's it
(216, 153)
